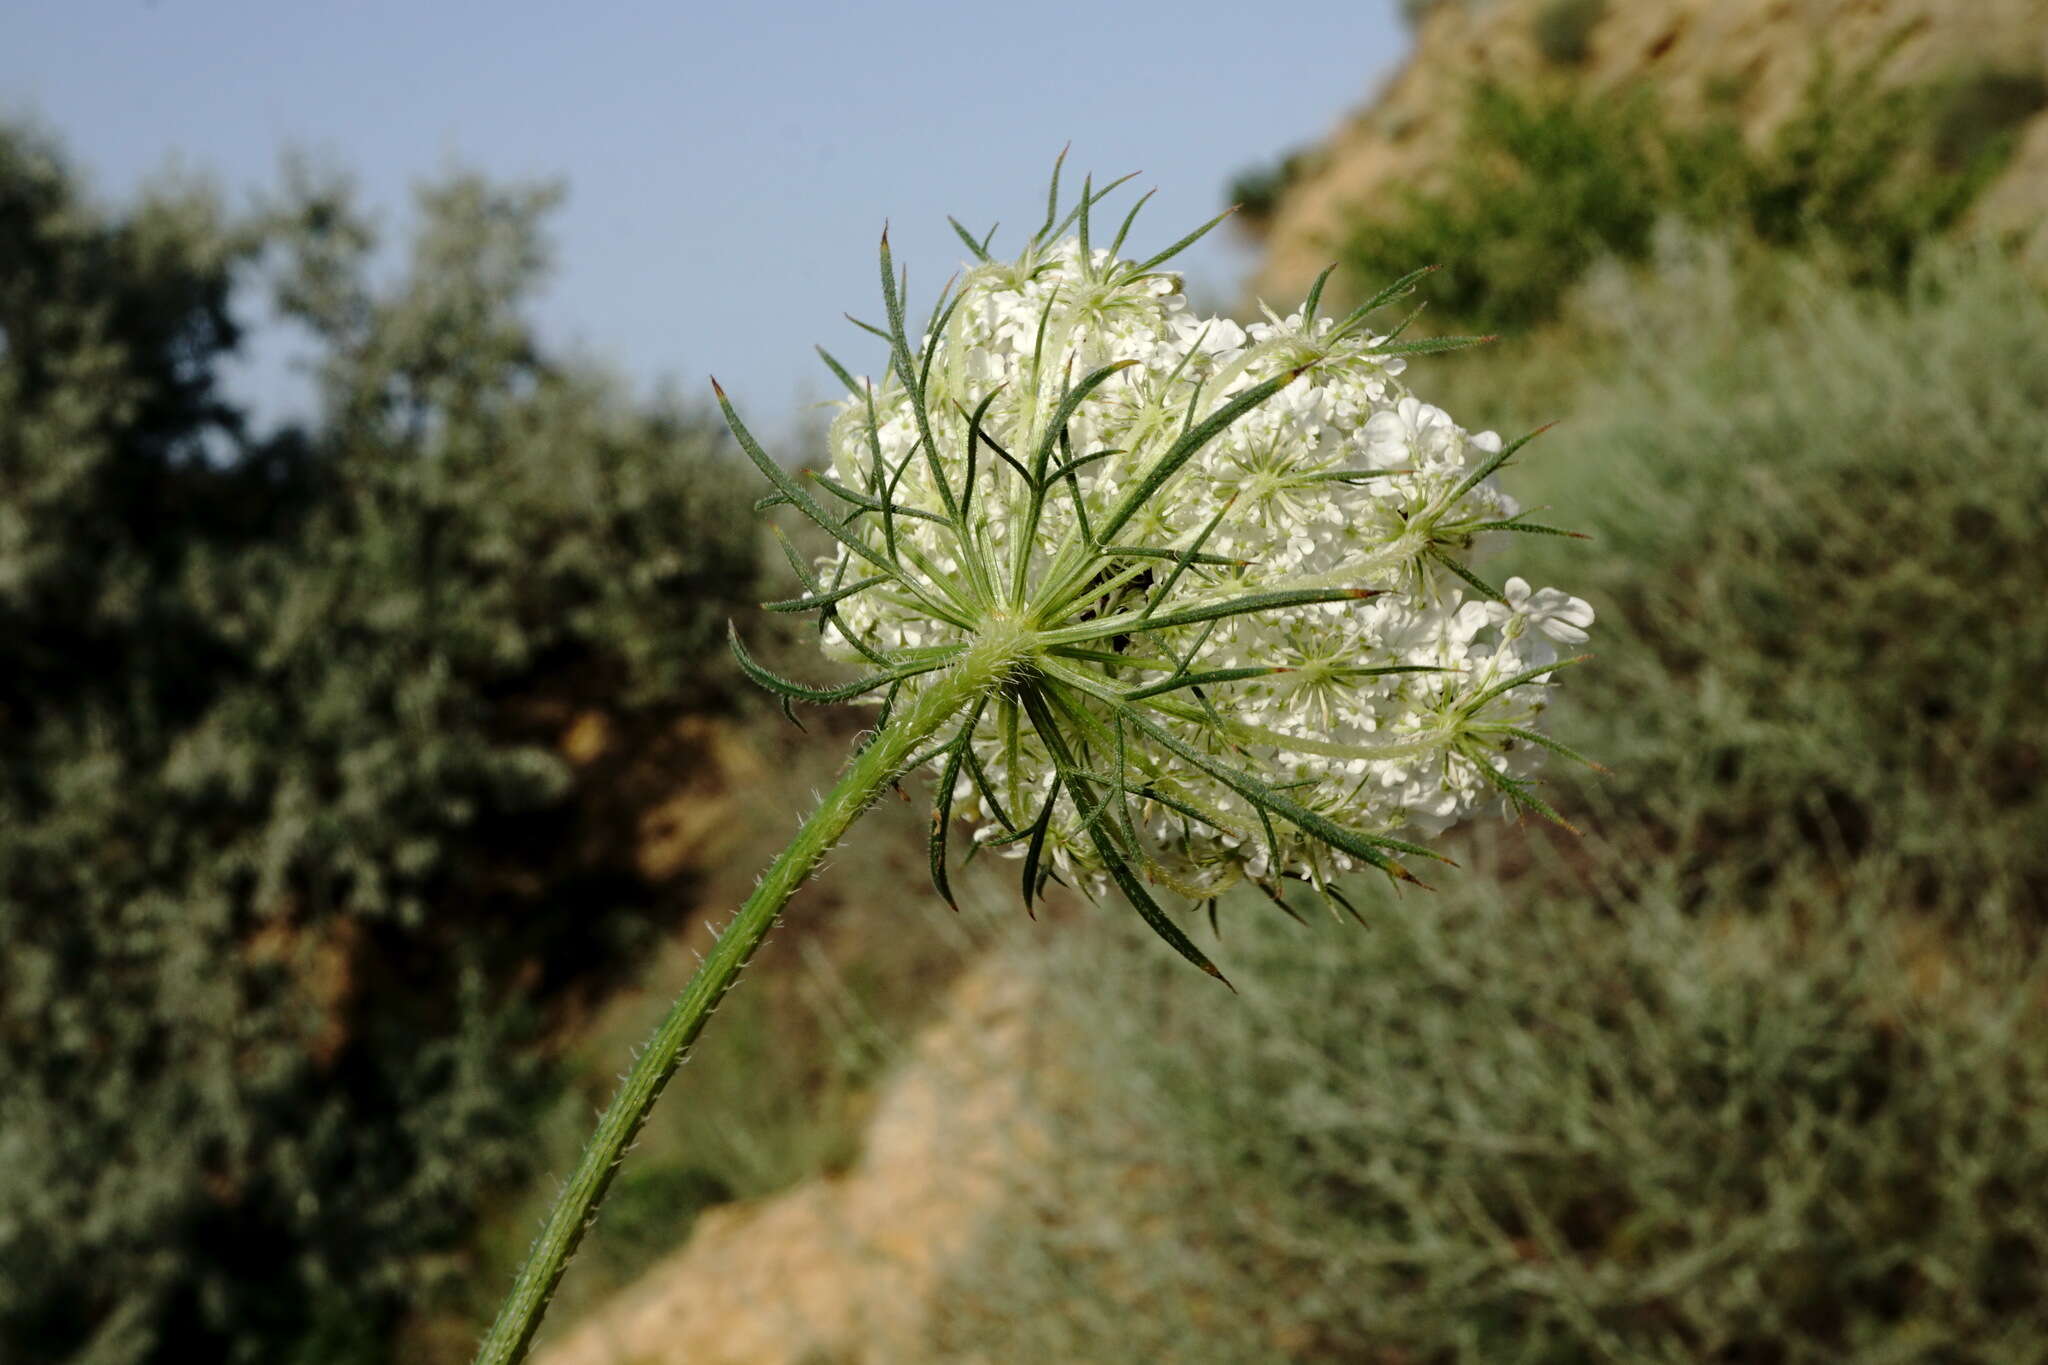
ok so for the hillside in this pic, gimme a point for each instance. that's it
(1751, 61)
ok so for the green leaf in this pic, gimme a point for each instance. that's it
(1430, 346)
(1380, 670)
(1183, 807)
(1113, 859)
(803, 502)
(1089, 201)
(913, 382)
(796, 691)
(826, 599)
(942, 801)
(1527, 675)
(975, 433)
(979, 249)
(987, 789)
(838, 370)
(1152, 552)
(1518, 792)
(1187, 557)
(1333, 895)
(1400, 328)
(868, 504)
(1033, 883)
(1347, 475)
(796, 561)
(884, 482)
(1148, 910)
(867, 327)
(1078, 463)
(1543, 741)
(828, 617)
(1528, 526)
(1131, 622)
(1274, 895)
(1478, 584)
(1052, 195)
(935, 332)
(1070, 401)
(1362, 846)
(1499, 458)
(1202, 680)
(1315, 297)
(1116, 247)
(1378, 301)
(1073, 483)
(1146, 265)
(1103, 656)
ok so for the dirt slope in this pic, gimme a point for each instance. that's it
(843, 1269)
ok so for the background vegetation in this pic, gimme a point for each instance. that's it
(1550, 179)
(292, 864)
(1754, 1071)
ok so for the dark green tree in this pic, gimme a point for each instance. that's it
(290, 863)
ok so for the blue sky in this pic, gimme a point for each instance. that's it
(729, 166)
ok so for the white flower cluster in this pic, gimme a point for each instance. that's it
(1382, 710)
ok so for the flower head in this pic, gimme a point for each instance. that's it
(1235, 557)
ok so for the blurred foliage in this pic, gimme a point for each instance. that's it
(1563, 30)
(1548, 181)
(1415, 11)
(1257, 192)
(1817, 548)
(290, 863)
(1511, 1124)
(1755, 1072)
(1984, 108)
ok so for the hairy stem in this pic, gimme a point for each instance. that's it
(980, 670)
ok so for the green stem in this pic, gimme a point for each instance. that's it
(982, 669)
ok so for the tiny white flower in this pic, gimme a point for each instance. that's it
(1557, 614)
(1366, 686)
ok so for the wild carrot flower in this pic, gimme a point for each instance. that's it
(1161, 600)
(1239, 554)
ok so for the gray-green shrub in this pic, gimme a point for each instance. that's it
(1817, 549)
(1757, 1071)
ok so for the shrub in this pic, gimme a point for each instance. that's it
(1512, 1125)
(1816, 540)
(1546, 184)
(1539, 191)
(1981, 110)
(1564, 30)
(290, 861)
